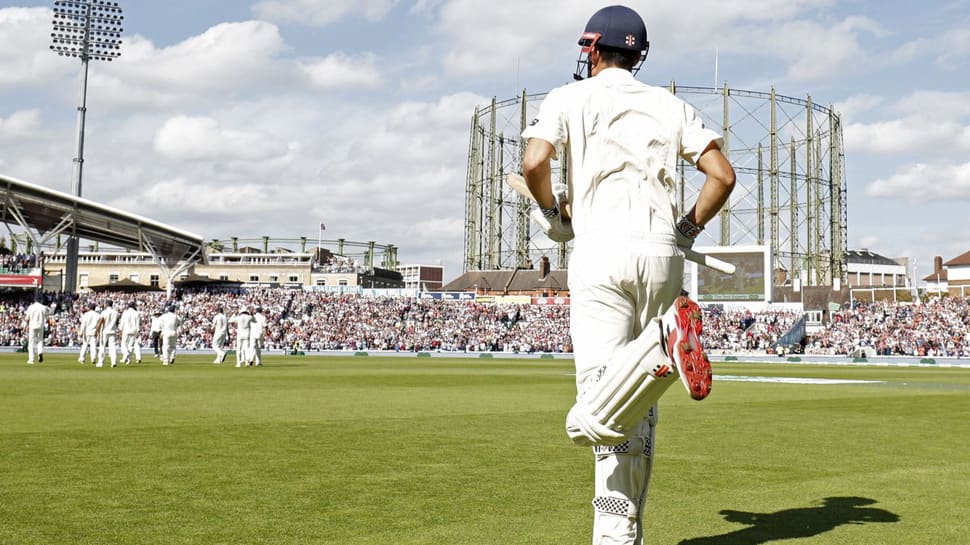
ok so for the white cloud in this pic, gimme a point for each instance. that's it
(925, 182)
(856, 105)
(942, 105)
(184, 196)
(26, 58)
(340, 70)
(20, 124)
(227, 58)
(930, 123)
(495, 41)
(816, 51)
(228, 61)
(911, 135)
(202, 138)
(947, 49)
(320, 12)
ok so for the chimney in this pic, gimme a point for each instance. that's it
(543, 268)
(937, 264)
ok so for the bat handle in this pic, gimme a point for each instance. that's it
(708, 261)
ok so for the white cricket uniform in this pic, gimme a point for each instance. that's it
(109, 336)
(168, 324)
(622, 139)
(243, 322)
(36, 316)
(88, 331)
(220, 333)
(256, 336)
(130, 335)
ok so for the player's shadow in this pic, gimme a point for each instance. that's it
(796, 523)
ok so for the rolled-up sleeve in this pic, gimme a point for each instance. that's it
(550, 123)
(695, 137)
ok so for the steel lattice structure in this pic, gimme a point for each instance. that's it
(790, 193)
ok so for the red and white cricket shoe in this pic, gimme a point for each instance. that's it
(681, 326)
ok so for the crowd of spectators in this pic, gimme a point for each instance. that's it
(936, 327)
(737, 330)
(311, 321)
(17, 263)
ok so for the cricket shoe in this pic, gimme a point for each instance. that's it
(681, 329)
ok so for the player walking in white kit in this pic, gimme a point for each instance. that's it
(621, 140)
(220, 333)
(131, 333)
(168, 324)
(36, 317)
(257, 333)
(88, 331)
(109, 334)
(243, 322)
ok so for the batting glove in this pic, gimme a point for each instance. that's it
(686, 232)
(561, 193)
(552, 224)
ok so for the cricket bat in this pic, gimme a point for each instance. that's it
(517, 182)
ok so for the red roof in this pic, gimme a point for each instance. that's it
(962, 259)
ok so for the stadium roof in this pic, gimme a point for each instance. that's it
(509, 280)
(866, 257)
(52, 213)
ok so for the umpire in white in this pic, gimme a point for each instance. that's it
(621, 140)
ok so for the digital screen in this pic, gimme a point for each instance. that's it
(746, 284)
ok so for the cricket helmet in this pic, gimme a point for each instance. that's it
(616, 27)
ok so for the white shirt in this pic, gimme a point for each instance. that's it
(36, 315)
(89, 323)
(109, 321)
(169, 323)
(130, 321)
(156, 324)
(242, 322)
(623, 138)
(259, 325)
(220, 325)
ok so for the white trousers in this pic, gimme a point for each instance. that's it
(35, 343)
(616, 289)
(219, 346)
(89, 342)
(130, 344)
(168, 347)
(242, 350)
(256, 350)
(109, 341)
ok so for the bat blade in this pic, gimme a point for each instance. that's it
(518, 183)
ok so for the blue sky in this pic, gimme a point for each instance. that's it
(235, 118)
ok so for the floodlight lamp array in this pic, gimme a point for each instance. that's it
(89, 29)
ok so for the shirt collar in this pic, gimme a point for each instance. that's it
(615, 74)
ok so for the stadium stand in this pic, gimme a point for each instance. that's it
(301, 320)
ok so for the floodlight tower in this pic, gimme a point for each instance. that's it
(88, 30)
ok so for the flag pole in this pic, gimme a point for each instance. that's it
(323, 227)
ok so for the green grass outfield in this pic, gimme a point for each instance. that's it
(368, 450)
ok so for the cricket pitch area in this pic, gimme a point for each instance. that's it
(363, 450)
